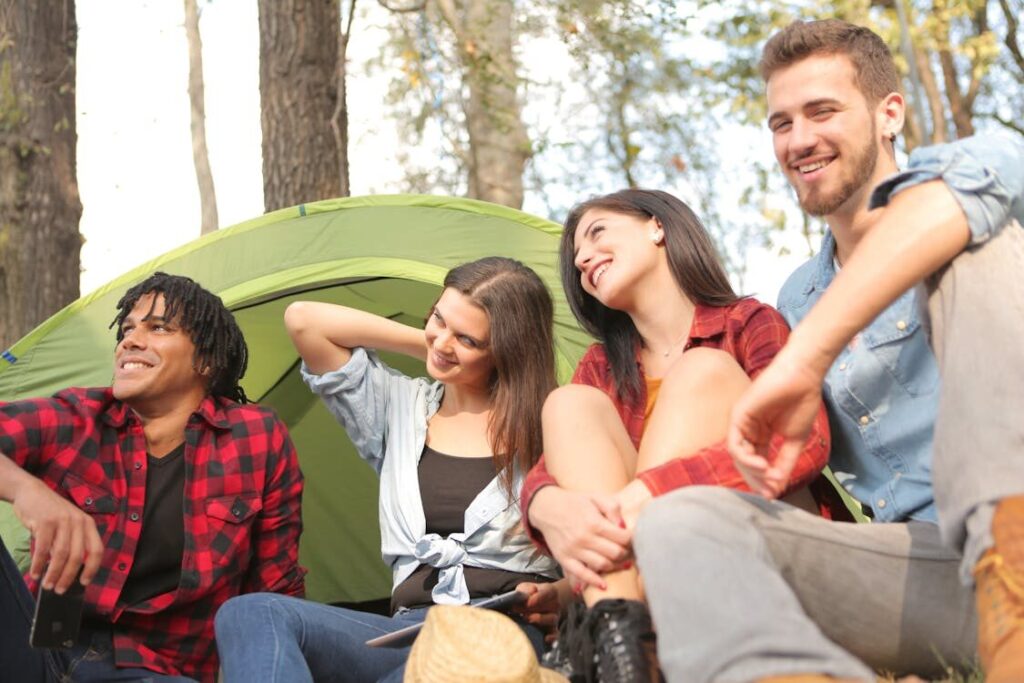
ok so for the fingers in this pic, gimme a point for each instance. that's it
(777, 476)
(59, 552)
(93, 552)
(76, 550)
(42, 537)
(583, 574)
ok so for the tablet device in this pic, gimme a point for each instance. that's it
(403, 637)
(57, 617)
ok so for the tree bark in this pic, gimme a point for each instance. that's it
(39, 204)
(298, 95)
(197, 96)
(339, 118)
(499, 144)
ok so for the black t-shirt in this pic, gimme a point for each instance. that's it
(448, 485)
(157, 566)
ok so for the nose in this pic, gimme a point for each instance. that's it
(581, 259)
(802, 138)
(133, 339)
(442, 341)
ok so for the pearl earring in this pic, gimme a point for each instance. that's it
(657, 236)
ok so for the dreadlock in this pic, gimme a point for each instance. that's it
(219, 343)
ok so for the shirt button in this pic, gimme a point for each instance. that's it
(138, 465)
(901, 325)
(121, 566)
(842, 366)
(880, 504)
(88, 501)
(865, 419)
(134, 516)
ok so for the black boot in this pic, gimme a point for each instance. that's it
(570, 655)
(622, 642)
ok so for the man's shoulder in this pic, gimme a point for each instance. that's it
(247, 413)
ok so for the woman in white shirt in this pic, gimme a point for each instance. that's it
(451, 452)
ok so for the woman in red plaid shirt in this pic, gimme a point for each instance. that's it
(647, 410)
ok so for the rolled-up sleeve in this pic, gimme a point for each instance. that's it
(985, 173)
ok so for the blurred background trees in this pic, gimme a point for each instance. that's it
(529, 103)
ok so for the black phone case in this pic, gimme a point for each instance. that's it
(57, 617)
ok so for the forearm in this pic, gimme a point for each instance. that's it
(12, 478)
(906, 244)
(325, 333)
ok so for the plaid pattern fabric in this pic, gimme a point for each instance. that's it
(242, 500)
(752, 333)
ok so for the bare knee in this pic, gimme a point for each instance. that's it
(570, 401)
(703, 369)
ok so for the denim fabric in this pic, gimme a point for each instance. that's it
(984, 172)
(385, 415)
(882, 394)
(279, 639)
(90, 660)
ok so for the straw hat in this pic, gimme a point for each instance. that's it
(459, 644)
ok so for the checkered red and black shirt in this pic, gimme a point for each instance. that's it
(242, 500)
(752, 333)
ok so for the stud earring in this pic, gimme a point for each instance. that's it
(657, 236)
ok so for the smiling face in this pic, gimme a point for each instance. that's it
(458, 334)
(828, 139)
(153, 362)
(614, 252)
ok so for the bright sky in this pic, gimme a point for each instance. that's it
(135, 170)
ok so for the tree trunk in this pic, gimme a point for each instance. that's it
(298, 94)
(39, 204)
(196, 95)
(499, 144)
(339, 118)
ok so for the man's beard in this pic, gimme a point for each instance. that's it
(863, 167)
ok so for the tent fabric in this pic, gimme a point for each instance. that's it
(386, 254)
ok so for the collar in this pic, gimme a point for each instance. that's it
(825, 269)
(211, 410)
(708, 321)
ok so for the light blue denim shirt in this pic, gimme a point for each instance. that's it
(882, 390)
(984, 172)
(882, 394)
(385, 414)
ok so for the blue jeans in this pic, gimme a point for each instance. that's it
(89, 660)
(270, 637)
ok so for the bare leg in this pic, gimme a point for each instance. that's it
(587, 449)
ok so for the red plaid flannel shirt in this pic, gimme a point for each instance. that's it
(752, 333)
(243, 492)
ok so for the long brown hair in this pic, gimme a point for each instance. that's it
(519, 309)
(692, 258)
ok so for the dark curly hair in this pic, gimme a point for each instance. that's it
(220, 346)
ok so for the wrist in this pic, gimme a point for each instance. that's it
(810, 350)
(536, 511)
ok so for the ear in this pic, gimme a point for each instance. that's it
(890, 115)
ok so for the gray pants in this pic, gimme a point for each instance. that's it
(741, 588)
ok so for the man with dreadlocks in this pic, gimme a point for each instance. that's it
(166, 490)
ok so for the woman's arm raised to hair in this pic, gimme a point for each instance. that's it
(325, 334)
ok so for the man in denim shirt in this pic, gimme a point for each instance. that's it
(811, 600)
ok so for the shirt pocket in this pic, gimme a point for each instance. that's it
(229, 521)
(99, 503)
(899, 342)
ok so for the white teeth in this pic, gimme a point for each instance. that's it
(813, 167)
(134, 365)
(599, 272)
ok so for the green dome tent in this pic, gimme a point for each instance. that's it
(385, 254)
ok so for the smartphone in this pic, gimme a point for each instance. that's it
(404, 636)
(57, 617)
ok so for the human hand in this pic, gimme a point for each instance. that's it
(543, 603)
(632, 501)
(64, 537)
(783, 400)
(585, 532)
